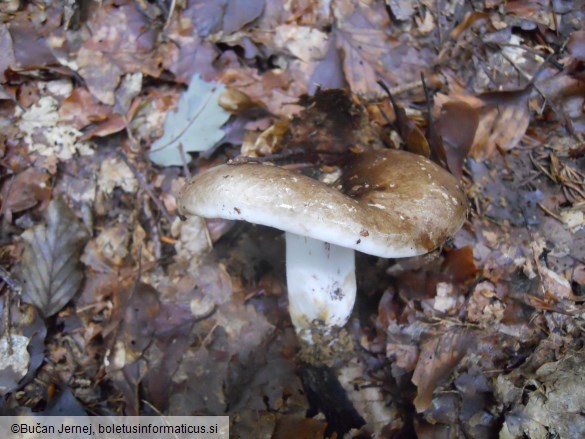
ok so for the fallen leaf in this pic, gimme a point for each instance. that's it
(115, 173)
(27, 331)
(576, 45)
(555, 284)
(551, 400)
(25, 190)
(7, 59)
(121, 40)
(30, 48)
(81, 108)
(303, 42)
(363, 41)
(503, 120)
(240, 104)
(457, 125)
(328, 72)
(194, 126)
(437, 359)
(459, 265)
(484, 306)
(239, 13)
(50, 262)
(401, 9)
(14, 361)
(135, 316)
(294, 427)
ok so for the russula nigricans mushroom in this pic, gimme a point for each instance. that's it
(391, 204)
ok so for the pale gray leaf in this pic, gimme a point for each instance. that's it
(194, 126)
(50, 266)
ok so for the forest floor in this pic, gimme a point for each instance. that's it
(110, 304)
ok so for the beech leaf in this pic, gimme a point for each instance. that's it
(194, 126)
(50, 262)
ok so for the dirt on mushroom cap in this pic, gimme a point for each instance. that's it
(392, 203)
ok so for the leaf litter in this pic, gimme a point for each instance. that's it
(479, 339)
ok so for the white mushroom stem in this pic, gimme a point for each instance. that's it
(321, 284)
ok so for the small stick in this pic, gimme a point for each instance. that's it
(13, 285)
(145, 186)
(550, 213)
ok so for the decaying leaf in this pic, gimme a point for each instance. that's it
(14, 360)
(195, 126)
(50, 263)
(554, 407)
(439, 355)
(20, 358)
(363, 41)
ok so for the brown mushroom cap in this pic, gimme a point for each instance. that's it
(393, 203)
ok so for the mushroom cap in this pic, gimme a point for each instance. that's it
(392, 203)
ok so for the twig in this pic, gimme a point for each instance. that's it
(170, 15)
(153, 231)
(184, 160)
(145, 186)
(7, 196)
(550, 213)
(537, 165)
(13, 285)
(439, 27)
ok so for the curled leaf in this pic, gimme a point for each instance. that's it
(50, 263)
(439, 356)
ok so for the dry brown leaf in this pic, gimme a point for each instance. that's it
(240, 104)
(363, 41)
(457, 125)
(500, 127)
(295, 427)
(25, 190)
(437, 359)
(122, 38)
(459, 265)
(81, 108)
(50, 262)
(503, 120)
(30, 48)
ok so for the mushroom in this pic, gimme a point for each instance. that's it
(391, 204)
